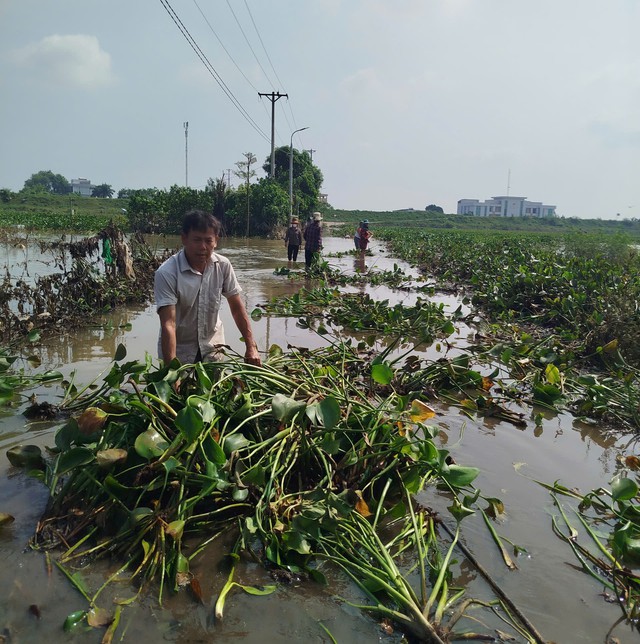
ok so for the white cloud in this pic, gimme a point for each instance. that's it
(75, 60)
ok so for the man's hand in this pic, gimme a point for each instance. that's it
(252, 356)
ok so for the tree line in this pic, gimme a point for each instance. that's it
(251, 208)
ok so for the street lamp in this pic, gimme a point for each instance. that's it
(291, 173)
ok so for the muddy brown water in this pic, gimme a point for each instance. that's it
(562, 602)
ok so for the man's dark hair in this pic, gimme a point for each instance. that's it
(201, 221)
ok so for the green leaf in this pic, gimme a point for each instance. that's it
(284, 408)
(254, 590)
(328, 412)
(623, 489)
(121, 352)
(382, 373)
(234, 442)
(29, 456)
(256, 314)
(189, 422)
(75, 457)
(33, 335)
(149, 444)
(458, 476)
(73, 620)
(552, 374)
(213, 452)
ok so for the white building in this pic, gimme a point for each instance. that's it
(81, 187)
(505, 207)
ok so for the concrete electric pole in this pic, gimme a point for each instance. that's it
(273, 97)
(186, 153)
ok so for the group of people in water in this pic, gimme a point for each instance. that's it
(312, 235)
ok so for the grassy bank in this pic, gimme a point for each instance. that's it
(437, 221)
(61, 212)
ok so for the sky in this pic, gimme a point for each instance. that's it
(407, 102)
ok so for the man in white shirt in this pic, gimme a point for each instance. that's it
(188, 290)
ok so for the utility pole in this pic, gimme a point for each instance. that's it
(311, 154)
(186, 153)
(273, 97)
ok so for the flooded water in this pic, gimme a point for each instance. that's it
(562, 602)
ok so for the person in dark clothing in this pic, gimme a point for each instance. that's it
(313, 240)
(293, 240)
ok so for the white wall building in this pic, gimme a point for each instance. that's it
(81, 187)
(505, 207)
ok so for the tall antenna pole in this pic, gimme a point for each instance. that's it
(508, 182)
(311, 154)
(273, 97)
(186, 153)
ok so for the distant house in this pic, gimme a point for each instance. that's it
(81, 187)
(505, 207)
(323, 198)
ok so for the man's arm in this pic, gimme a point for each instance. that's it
(241, 318)
(167, 316)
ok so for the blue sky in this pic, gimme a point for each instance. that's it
(408, 102)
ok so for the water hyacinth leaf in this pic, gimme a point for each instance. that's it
(382, 373)
(182, 563)
(28, 456)
(328, 412)
(207, 410)
(239, 494)
(296, 541)
(163, 390)
(213, 452)
(98, 617)
(6, 519)
(547, 394)
(203, 378)
(459, 476)
(284, 408)
(73, 620)
(91, 421)
(189, 422)
(460, 511)
(149, 444)
(170, 464)
(610, 347)
(137, 515)
(448, 328)
(67, 435)
(109, 457)
(256, 314)
(75, 457)
(33, 335)
(552, 374)
(275, 351)
(623, 489)
(254, 590)
(175, 529)
(420, 411)
(121, 352)
(234, 442)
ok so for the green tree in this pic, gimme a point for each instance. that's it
(47, 181)
(245, 173)
(6, 195)
(218, 190)
(307, 178)
(102, 191)
(433, 208)
(270, 206)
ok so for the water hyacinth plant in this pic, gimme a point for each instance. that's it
(310, 461)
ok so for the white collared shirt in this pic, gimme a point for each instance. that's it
(196, 297)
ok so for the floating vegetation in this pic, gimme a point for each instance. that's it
(311, 461)
(609, 551)
(81, 287)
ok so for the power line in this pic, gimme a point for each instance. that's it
(205, 61)
(248, 43)
(284, 113)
